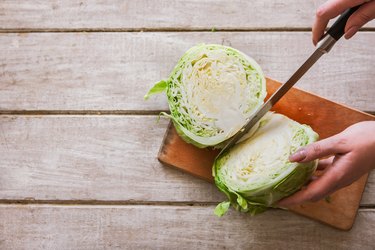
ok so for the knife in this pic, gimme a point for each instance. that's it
(324, 46)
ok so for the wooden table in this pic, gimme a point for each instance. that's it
(78, 143)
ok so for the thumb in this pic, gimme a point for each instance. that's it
(336, 144)
(359, 18)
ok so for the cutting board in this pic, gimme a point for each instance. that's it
(325, 117)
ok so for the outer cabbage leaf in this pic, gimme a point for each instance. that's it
(256, 172)
(211, 93)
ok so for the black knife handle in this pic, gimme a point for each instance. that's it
(337, 30)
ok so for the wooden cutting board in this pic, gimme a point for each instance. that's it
(325, 117)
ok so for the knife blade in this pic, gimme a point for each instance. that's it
(324, 46)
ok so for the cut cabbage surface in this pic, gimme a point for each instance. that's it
(211, 93)
(256, 172)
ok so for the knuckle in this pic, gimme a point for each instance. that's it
(342, 140)
(320, 12)
(364, 18)
(338, 175)
(342, 143)
(317, 148)
(312, 195)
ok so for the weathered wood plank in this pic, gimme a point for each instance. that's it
(106, 71)
(187, 14)
(90, 158)
(106, 158)
(171, 227)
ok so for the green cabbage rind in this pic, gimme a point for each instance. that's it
(288, 177)
(206, 81)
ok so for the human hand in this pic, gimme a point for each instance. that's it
(352, 155)
(333, 8)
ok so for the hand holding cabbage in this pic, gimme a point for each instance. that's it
(352, 155)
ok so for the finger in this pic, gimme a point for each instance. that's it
(316, 190)
(363, 15)
(327, 11)
(318, 28)
(323, 164)
(332, 145)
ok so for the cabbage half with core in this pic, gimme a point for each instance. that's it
(256, 172)
(211, 92)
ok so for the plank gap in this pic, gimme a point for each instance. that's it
(370, 112)
(95, 112)
(81, 112)
(365, 207)
(165, 29)
(106, 202)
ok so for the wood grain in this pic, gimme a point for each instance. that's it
(170, 227)
(112, 159)
(108, 158)
(165, 14)
(96, 158)
(106, 71)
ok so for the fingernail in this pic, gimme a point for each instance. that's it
(283, 208)
(351, 32)
(298, 156)
(314, 42)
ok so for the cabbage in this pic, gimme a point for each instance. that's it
(256, 172)
(211, 92)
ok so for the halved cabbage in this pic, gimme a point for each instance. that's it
(211, 92)
(256, 172)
